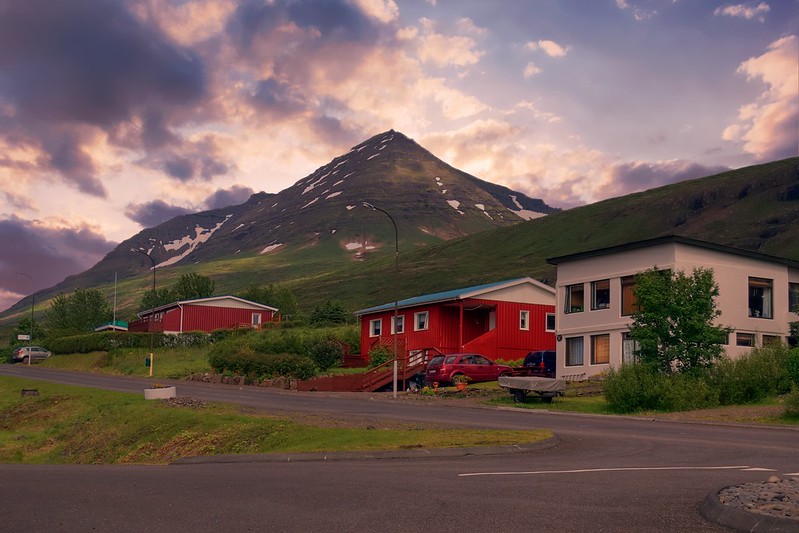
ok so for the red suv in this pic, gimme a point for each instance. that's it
(444, 368)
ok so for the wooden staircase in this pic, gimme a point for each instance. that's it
(374, 379)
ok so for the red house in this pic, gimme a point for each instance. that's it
(503, 320)
(204, 314)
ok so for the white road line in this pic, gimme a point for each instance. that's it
(755, 469)
(791, 474)
(587, 470)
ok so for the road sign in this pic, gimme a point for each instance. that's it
(23, 337)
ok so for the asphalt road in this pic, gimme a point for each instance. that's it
(602, 474)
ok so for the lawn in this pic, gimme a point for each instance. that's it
(73, 425)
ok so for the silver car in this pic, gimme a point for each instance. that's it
(30, 354)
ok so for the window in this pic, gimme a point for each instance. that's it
(744, 339)
(524, 320)
(256, 319)
(400, 325)
(574, 298)
(600, 294)
(550, 322)
(600, 349)
(629, 348)
(629, 303)
(771, 340)
(760, 298)
(574, 351)
(375, 327)
(421, 321)
(793, 297)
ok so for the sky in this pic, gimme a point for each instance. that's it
(118, 115)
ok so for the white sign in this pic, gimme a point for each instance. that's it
(23, 337)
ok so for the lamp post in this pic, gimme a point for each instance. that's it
(152, 313)
(396, 281)
(33, 301)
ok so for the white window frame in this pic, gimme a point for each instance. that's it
(416, 320)
(569, 359)
(550, 316)
(524, 320)
(256, 319)
(375, 331)
(401, 321)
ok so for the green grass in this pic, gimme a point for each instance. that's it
(575, 404)
(72, 425)
(172, 363)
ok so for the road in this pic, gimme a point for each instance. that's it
(603, 474)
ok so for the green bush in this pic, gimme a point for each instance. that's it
(246, 362)
(379, 355)
(791, 403)
(684, 392)
(792, 363)
(326, 354)
(632, 388)
(110, 340)
(752, 377)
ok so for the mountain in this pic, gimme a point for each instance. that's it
(319, 223)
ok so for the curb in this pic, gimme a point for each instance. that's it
(741, 520)
(417, 453)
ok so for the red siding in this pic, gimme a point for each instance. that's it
(207, 318)
(507, 342)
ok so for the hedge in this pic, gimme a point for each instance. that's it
(109, 340)
(246, 362)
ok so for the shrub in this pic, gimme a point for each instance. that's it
(684, 392)
(792, 364)
(379, 355)
(791, 403)
(246, 362)
(326, 354)
(632, 388)
(752, 377)
(109, 340)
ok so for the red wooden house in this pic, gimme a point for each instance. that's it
(503, 320)
(204, 314)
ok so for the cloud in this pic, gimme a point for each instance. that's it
(639, 13)
(448, 50)
(234, 195)
(628, 177)
(744, 11)
(46, 254)
(768, 126)
(74, 73)
(531, 70)
(151, 214)
(550, 48)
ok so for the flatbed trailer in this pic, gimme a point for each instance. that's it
(520, 386)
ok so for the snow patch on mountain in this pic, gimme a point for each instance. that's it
(271, 248)
(372, 156)
(332, 195)
(201, 235)
(523, 213)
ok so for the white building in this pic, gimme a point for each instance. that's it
(595, 298)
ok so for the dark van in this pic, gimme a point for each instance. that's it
(542, 360)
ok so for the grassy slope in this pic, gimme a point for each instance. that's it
(72, 425)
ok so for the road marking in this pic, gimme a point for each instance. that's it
(791, 474)
(623, 469)
(755, 469)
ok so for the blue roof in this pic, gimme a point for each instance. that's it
(455, 294)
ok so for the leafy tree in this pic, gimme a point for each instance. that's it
(188, 287)
(24, 328)
(157, 298)
(329, 314)
(79, 312)
(193, 286)
(674, 325)
(274, 296)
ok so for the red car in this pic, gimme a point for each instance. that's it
(444, 368)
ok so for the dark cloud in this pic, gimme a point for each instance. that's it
(200, 159)
(279, 99)
(638, 176)
(224, 197)
(90, 61)
(332, 131)
(69, 68)
(151, 214)
(46, 255)
(180, 168)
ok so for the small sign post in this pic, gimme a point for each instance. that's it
(23, 337)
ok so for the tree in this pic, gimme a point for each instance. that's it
(193, 286)
(24, 328)
(329, 314)
(274, 296)
(674, 325)
(79, 312)
(188, 287)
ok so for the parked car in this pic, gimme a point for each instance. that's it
(31, 354)
(542, 360)
(475, 367)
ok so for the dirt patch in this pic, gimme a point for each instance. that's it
(754, 414)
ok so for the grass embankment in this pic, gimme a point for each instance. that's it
(72, 425)
(173, 363)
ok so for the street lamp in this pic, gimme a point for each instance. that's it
(152, 313)
(33, 301)
(396, 281)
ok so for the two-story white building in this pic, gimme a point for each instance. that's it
(758, 296)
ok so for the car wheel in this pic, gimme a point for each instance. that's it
(25, 360)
